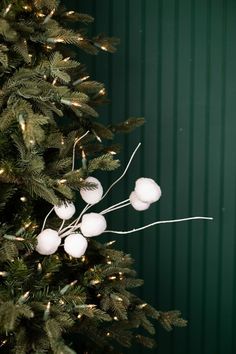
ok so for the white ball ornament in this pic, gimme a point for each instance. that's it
(93, 224)
(92, 196)
(48, 242)
(147, 190)
(136, 203)
(75, 245)
(65, 211)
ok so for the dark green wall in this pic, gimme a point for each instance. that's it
(176, 66)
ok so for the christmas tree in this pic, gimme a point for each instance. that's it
(61, 290)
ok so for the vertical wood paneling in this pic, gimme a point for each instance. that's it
(176, 67)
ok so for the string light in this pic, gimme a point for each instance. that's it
(3, 274)
(22, 122)
(66, 59)
(47, 311)
(49, 16)
(83, 259)
(40, 14)
(55, 40)
(7, 10)
(95, 281)
(80, 80)
(112, 152)
(62, 181)
(3, 342)
(102, 91)
(142, 306)
(110, 243)
(115, 318)
(97, 137)
(70, 13)
(79, 316)
(54, 81)
(24, 297)
(109, 262)
(39, 267)
(108, 334)
(2, 171)
(27, 7)
(99, 295)
(112, 277)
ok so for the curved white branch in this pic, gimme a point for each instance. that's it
(126, 169)
(158, 222)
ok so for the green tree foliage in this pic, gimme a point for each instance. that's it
(58, 304)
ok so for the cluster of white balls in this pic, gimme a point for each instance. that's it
(92, 224)
(146, 192)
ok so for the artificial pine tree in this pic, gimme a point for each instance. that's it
(59, 299)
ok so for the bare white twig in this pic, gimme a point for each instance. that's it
(113, 209)
(112, 206)
(44, 222)
(158, 222)
(126, 169)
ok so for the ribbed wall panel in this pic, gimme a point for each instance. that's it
(176, 67)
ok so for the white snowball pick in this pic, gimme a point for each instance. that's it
(65, 211)
(136, 203)
(92, 196)
(75, 245)
(147, 190)
(48, 242)
(93, 224)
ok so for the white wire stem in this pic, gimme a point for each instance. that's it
(126, 169)
(44, 222)
(69, 232)
(74, 146)
(62, 224)
(113, 209)
(76, 221)
(158, 222)
(112, 206)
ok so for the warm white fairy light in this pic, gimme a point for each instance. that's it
(103, 47)
(55, 40)
(115, 318)
(55, 81)
(76, 82)
(62, 181)
(27, 7)
(102, 91)
(66, 59)
(74, 147)
(7, 10)
(47, 311)
(97, 137)
(70, 13)
(141, 306)
(39, 267)
(3, 274)
(2, 171)
(49, 16)
(23, 298)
